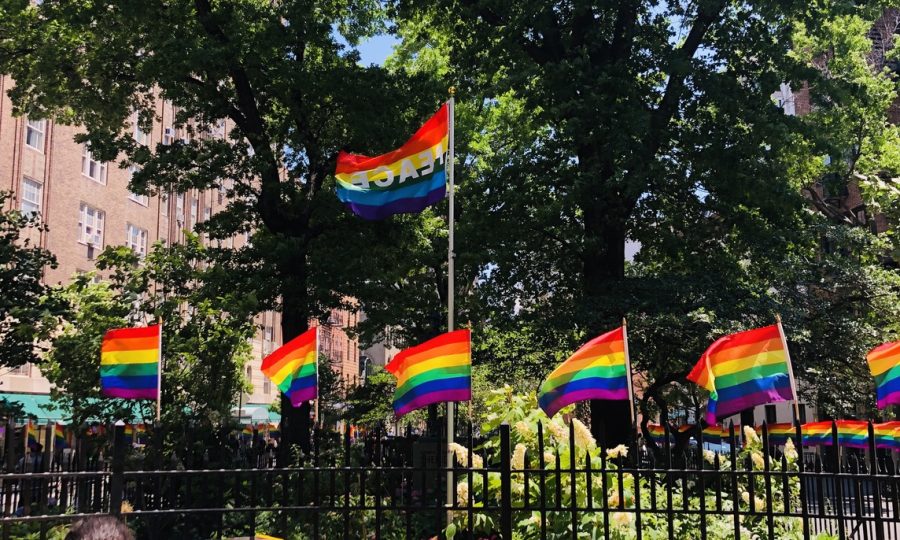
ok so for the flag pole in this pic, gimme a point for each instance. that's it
(451, 286)
(787, 356)
(628, 374)
(316, 413)
(159, 369)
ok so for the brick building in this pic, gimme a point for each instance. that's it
(87, 206)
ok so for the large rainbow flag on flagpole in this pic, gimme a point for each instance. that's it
(294, 367)
(129, 362)
(406, 180)
(884, 363)
(598, 370)
(436, 371)
(744, 370)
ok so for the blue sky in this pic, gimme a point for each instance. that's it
(377, 49)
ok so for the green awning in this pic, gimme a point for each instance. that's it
(37, 405)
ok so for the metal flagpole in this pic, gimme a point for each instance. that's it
(159, 369)
(628, 373)
(451, 490)
(787, 356)
(316, 413)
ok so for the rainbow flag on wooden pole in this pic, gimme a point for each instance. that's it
(884, 364)
(294, 367)
(131, 364)
(744, 370)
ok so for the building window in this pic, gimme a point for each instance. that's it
(143, 200)
(90, 167)
(267, 387)
(249, 373)
(268, 337)
(32, 195)
(164, 204)
(140, 136)
(90, 226)
(207, 213)
(195, 205)
(771, 414)
(168, 136)
(136, 239)
(34, 134)
(179, 208)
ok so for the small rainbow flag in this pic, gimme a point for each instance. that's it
(743, 370)
(884, 363)
(714, 433)
(274, 432)
(59, 437)
(658, 434)
(406, 180)
(436, 371)
(129, 434)
(129, 362)
(598, 370)
(32, 435)
(852, 433)
(293, 367)
(887, 435)
(778, 433)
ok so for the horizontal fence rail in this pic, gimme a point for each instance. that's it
(512, 483)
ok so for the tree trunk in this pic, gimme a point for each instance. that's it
(604, 268)
(295, 421)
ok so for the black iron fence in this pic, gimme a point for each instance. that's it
(528, 485)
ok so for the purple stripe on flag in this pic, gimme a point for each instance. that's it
(301, 396)
(734, 406)
(435, 397)
(402, 206)
(583, 395)
(890, 399)
(130, 393)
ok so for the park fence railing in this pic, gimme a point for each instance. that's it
(539, 485)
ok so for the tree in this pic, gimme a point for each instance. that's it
(205, 337)
(25, 315)
(643, 121)
(279, 73)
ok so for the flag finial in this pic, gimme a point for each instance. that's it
(451, 91)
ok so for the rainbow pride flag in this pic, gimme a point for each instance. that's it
(32, 437)
(406, 180)
(743, 370)
(714, 433)
(436, 371)
(658, 434)
(129, 362)
(293, 367)
(247, 432)
(884, 363)
(778, 433)
(129, 434)
(59, 437)
(274, 432)
(596, 371)
(887, 435)
(851, 433)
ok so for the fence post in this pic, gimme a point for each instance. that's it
(116, 482)
(876, 485)
(505, 484)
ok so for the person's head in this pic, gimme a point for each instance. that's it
(99, 528)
